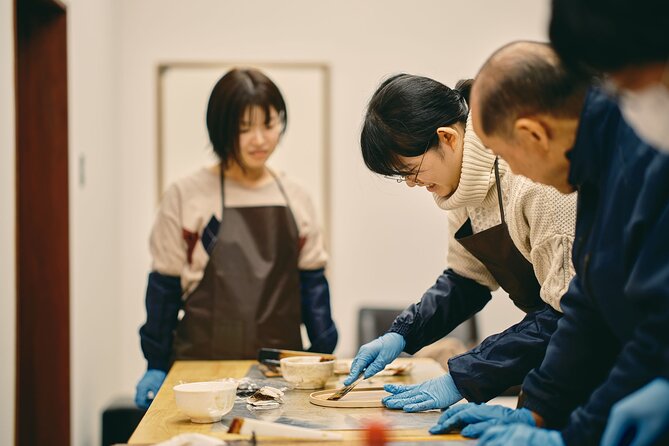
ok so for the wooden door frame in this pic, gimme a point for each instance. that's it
(42, 225)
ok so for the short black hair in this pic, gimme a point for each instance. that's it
(237, 90)
(403, 116)
(593, 36)
(524, 79)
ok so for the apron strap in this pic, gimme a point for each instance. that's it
(222, 178)
(498, 184)
(281, 189)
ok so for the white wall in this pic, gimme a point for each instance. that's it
(95, 300)
(7, 224)
(388, 242)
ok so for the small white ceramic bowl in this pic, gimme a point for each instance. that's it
(206, 402)
(306, 372)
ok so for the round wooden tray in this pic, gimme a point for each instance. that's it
(356, 398)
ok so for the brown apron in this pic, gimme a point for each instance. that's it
(249, 296)
(495, 249)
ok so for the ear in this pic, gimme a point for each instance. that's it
(532, 132)
(448, 137)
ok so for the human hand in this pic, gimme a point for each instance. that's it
(520, 434)
(148, 386)
(435, 393)
(375, 355)
(643, 414)
(476, 418)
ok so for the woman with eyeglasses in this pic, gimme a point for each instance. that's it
(505, 231)
(236, 245)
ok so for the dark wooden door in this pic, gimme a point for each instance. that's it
(43, 339)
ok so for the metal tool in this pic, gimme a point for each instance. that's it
(339, 394)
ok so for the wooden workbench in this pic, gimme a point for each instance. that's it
(163, 420)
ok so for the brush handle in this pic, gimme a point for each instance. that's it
(278, 354)
(249, 426)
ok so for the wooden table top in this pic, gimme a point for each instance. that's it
(163, 420)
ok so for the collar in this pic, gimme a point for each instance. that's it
(598, 131)
(477, 175)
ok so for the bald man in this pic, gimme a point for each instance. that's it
(616, 311)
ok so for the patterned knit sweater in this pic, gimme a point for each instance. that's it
(541, 220)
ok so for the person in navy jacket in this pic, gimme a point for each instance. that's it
(636, 63)
(610, 340)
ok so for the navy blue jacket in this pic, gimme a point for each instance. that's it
(499, 362)
(163, 302)
(614, 335)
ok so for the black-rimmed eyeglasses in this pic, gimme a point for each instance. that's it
(404, 178)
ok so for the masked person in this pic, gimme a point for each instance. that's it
(235, 245)
(587, 34)
(610, 341)
(504, 231)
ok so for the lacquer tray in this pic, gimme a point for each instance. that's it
(356, 398)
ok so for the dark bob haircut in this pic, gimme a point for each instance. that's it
(403, 116)
(594, 36)
(232, 95)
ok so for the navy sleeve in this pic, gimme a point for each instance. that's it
(642, 357)
(316, 313)
(448, 303)
(578, 357)
(504, 360)
(649, 278)
(163, 301)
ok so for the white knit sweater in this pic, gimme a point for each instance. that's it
(541, 220)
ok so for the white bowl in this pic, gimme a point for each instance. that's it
(306, 372)
(205, 402)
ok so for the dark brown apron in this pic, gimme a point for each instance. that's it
(495, 249)
(249, 296)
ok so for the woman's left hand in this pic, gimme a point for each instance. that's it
(436, 393)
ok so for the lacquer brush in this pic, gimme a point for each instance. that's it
(339, 394)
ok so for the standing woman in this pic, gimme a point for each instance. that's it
(236, 246)
(504, 229)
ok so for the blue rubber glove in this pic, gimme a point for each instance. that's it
(474, 419)
(436, 393)
(520, 434)
(375, 356)
(644, 413)
(148, 386)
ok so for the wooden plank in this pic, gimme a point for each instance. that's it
(163, 420)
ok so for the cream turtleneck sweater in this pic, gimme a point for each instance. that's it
(541, 220)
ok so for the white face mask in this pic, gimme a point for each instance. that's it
(647, 111)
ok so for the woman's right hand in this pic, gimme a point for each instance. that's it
(374, 356)
(148, 386)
